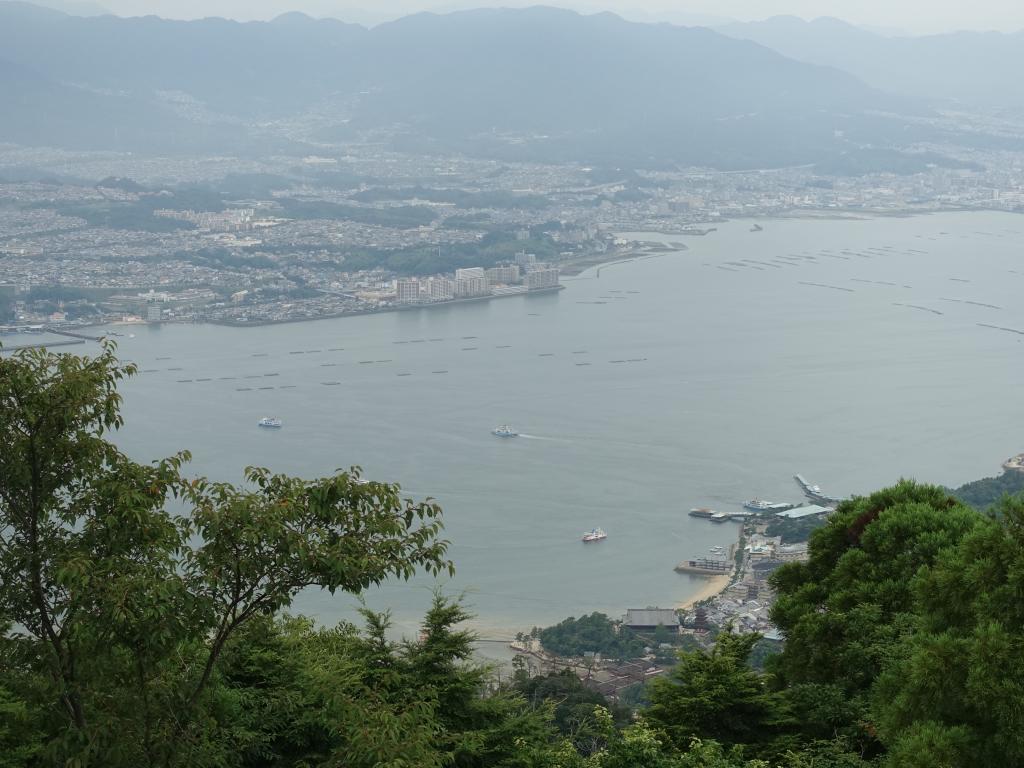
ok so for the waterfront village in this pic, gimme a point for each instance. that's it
(617, 657)
(738, 595)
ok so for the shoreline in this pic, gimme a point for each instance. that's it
(715, 586)
(365, 312)
(576, 266)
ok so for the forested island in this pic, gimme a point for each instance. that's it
(137, 636)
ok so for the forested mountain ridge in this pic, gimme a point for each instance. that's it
(537, 83)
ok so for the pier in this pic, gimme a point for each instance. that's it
(814, 493)
(73, 335)
(703, 566)
(16, 347)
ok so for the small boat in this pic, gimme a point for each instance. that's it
(504, 430)
(270, 423)
(719, 517)
(595, 535)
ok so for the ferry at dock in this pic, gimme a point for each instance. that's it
(270, 423)
(595, 535)
(760, 505)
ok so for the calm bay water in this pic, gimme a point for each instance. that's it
(737, 375)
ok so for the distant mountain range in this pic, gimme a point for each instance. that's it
(74, 7)
(972, 69)
(537, 84)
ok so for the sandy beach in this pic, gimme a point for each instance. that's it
(715, 584)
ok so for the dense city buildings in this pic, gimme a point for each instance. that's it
(300, 244)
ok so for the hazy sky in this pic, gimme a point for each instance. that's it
(919, 16)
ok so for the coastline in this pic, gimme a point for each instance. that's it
(574, 267)
(715, 585)
(380, 311)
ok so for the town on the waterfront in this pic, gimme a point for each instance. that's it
(182, 240)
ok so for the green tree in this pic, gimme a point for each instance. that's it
(21, 738)
(476, 730)
(289, 694)
(640, 746)
(573, 704)
(951, 693)
(986, 493)
(716, 695)
(595, 633)
(662, 635)
(845, 610)
(123, 609)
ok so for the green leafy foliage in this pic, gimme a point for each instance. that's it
(716, 694)
(953, 692)
(124, 610)
(595, 633)
(574, 706)
(794, 531)
(843, 610)
(21, 738)
(288, 693)
(848, 611)
(988, 492)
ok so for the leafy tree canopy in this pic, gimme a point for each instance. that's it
(952, 693)
(122, 610)
(595, 633)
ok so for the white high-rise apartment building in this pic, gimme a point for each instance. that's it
(503, 275)
(469, 287)
(407, 290)
(440, 288)
(541, 278)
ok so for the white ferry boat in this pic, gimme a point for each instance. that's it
(269, 423)
(504, 430)
(595, 535)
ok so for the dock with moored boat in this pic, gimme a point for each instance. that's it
(815, 494)
(713, 516)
